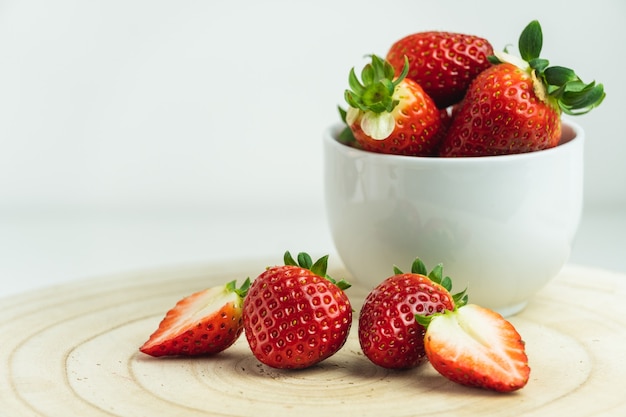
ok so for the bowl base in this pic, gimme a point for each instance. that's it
(512, 310)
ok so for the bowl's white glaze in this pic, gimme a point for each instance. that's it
(501, 225)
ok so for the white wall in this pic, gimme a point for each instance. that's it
(190, 103)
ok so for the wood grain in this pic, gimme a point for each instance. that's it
(73, 350)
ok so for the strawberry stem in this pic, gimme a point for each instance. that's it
(374, 92)
(460, 298)
(558, 86)
(436, 276)
(424, 320)
(241, 291)
(318, 267)
(531, 41)
(418, 267)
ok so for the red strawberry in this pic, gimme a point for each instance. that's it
(295, 315)
(475, 346)
(443, 63)
(203, 323)
(393, 116)
(388, 333)
(515, 106)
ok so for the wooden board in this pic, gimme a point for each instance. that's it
(73, 350)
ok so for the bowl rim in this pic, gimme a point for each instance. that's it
(331, 132)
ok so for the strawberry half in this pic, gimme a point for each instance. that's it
(515, 106)
(443, 63)
(295, 315)
(388, 333)
(204, 323)
(391, 115)
(475, 346)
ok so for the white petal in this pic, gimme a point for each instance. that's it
(378, 126)
(352, 115)
(512, 59)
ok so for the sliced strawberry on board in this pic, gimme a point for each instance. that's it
(475, 346)
(204, 323)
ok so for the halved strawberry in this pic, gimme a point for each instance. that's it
(203, 323)
(475, 346)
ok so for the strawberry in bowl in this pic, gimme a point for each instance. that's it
(442, 63)
(515, 105)
(492, 189)
(390, 114)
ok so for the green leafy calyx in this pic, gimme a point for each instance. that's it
(318, 267)
(374, 92)
(241, 291)
(558, 86)
(436, 276)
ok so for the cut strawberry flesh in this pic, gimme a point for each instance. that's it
(205, 322)
(476, 346)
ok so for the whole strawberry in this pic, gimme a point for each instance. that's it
(203, 323)
(515, 106)
(475, 346)
(392, 116)
(295, 315)
(443, 63)
(388, 333)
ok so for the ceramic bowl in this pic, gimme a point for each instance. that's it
(502, 226)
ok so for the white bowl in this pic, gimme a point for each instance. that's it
(502, 226)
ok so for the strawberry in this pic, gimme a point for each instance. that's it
(475, 346)
(295, 315)
(388, 333)
(443, 63)
(393, 116)
(515, 106)
(204, 323)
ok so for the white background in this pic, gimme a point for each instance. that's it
(142, 133)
